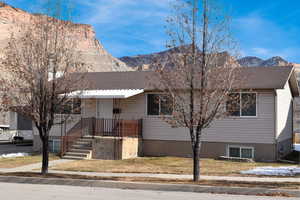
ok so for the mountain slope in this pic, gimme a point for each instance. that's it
(250, 61)
(147, 61)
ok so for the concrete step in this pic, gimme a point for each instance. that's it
(73, 157)
(70, 153)
(83, 142)
(84, 147)
(80, 150)
(86, 139)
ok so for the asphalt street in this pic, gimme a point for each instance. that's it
(12, 148)
(14, 191)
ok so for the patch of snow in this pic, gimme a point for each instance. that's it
(297, 147)
(273, 171)
(13, 155)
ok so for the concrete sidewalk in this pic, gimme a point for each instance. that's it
(31, 167)
(34, 167)
(178, 176)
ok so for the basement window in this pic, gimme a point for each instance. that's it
(241, 152)
(54, 146)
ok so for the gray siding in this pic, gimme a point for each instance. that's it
(13, 121)
(260, 129)
(58, 130)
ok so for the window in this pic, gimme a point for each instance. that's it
(242, 104)
(241, 152)
(71, 107)
(233, 104)
(159, 104)
(54, 146)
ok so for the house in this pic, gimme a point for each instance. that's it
(21, 126)
(265, 133)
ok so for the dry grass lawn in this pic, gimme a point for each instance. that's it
(21, 161)
(167, 165)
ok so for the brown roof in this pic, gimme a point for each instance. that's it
(255, 78)
(266, 77)
(117, 80)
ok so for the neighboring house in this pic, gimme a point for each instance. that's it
(20, 126)
(4, 120)
(297, 111)
(264, 132)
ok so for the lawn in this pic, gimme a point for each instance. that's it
(21, 161)
(168, 165)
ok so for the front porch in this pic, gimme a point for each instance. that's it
(95, 138)
(103, 132)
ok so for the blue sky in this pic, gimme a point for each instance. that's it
(263, 28)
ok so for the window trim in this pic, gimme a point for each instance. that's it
(256, 105)
(159, 105)
(240, 147)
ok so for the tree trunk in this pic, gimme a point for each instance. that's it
(196, 157)
(45, 161)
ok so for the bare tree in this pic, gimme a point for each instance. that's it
(38, 64)
(200, 75)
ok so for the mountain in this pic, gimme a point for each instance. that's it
(251, 61)
(147, 61)
(93, 52)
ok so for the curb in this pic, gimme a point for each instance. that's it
(147, 186)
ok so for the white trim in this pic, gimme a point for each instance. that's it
(240, 147)
(105, 94)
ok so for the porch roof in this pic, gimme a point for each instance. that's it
(106, 94)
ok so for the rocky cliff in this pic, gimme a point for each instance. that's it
(93, 53)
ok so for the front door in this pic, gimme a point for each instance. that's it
(104, 108)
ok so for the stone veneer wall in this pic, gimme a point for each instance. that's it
(115, 148)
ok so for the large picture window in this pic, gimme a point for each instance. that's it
(159, 104)
(242, 104)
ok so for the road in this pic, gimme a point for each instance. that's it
(13, 191)
(12, 148)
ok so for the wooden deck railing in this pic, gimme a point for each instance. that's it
(101, 127)
(118, 128)
(71, 137)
